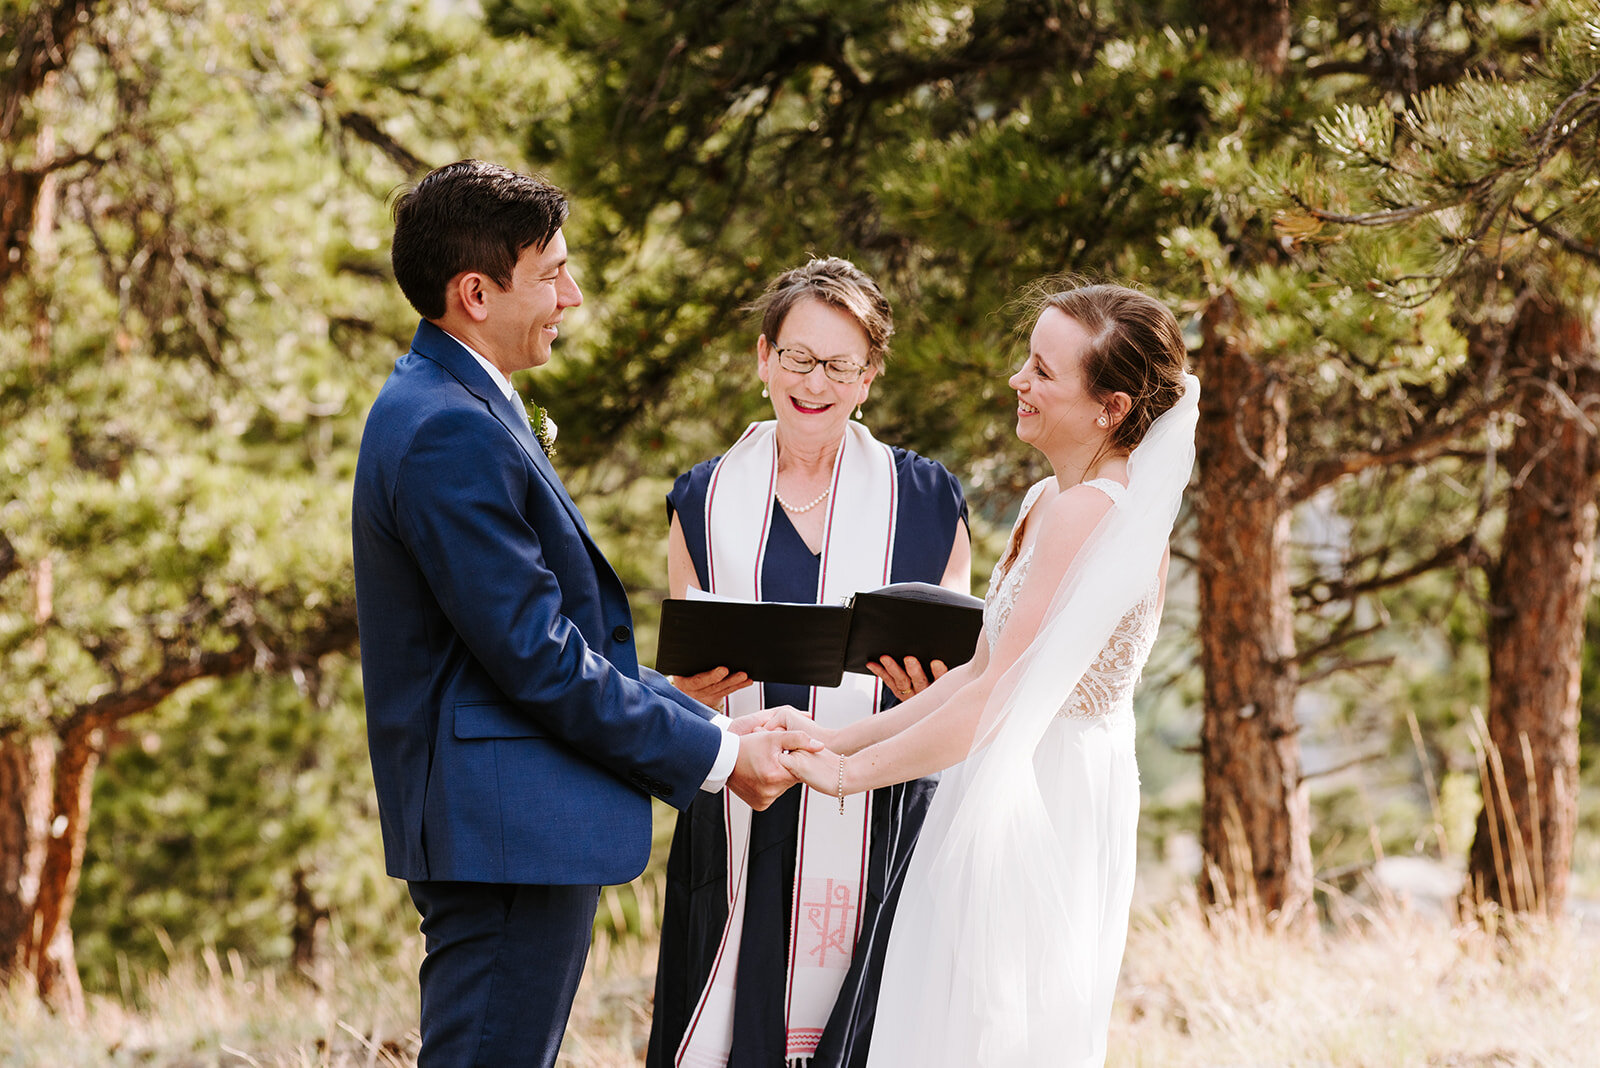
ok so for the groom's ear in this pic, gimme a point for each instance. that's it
(469, 292)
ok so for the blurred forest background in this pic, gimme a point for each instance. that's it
(1378, 220)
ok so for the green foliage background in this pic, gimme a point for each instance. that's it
(220, 315)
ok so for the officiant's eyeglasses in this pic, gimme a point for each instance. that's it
(800, 361)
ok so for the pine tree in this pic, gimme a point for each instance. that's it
(1478, 193)
(196, 311)
(961, 152)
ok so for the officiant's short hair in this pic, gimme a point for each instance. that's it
(836, 282)
(469, 216)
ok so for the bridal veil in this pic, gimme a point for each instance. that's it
(1009, 932)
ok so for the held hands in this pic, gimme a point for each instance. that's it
(759, 776)
(818, 768)
(789, 718)
(908, 679)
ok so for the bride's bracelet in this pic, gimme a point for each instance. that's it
(841, 786)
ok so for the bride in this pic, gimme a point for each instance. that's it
(1010, 931)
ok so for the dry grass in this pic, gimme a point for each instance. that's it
(1382, 987)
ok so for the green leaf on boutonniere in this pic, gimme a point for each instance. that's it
(544, 428)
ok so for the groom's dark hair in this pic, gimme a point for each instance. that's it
(469, 216)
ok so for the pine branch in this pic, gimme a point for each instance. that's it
(1462, 548)
(1422, 445)
(367, 129)
(44, 45)
(1393, 215)
(1559, 128)
(71, 159)
(335, 632)
(1353, 762)
(1565, 121)
(1560, 237)
(1323, 648)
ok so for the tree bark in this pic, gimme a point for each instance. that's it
(1521, 855)
(1255, 817)
(45, 39)
(25, 775)
(51, 956)
(1258, 29)
(46, 786)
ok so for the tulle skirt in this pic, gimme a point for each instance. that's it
(1007, 943)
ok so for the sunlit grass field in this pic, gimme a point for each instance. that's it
(1379, 985)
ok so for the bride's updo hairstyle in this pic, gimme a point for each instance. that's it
(1135, 347)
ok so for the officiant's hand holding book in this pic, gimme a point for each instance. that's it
(814, 645)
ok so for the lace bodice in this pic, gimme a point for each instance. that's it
(1107, 686)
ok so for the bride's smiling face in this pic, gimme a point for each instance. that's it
(1054, 405)
(812, 404)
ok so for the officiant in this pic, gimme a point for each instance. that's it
(775, 922)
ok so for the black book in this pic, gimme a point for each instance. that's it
(815, 644)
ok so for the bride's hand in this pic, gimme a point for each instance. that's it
(819, 770)
(789, 718)
(710, 687)
(760, 720)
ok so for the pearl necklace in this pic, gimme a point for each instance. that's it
(804, 508)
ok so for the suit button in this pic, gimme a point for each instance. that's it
(622, 634)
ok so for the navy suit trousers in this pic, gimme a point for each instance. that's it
(502, 967)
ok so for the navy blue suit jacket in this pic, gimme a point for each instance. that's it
(514, 738)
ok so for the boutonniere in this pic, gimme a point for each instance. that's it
(544, 428)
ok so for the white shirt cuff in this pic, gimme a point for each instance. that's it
(727, 757)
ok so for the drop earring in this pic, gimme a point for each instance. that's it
(764, 391)
(858, 411)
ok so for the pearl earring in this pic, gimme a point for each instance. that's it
(764, 391)
(858, 411)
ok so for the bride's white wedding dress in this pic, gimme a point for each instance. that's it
(1006, 944)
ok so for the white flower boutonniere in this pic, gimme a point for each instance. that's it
(544, 428)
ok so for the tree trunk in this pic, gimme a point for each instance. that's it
(310, 923)
(51, 957)
(46, 786)
(25, 773)
(1522, 851)
(43, 41)
(1258, 29)
(1254, 818)
(44, 810)
(44, 813)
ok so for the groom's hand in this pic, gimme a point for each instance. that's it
(753, 722)
(759, 777)
(790, 718)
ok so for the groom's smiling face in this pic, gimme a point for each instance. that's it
(523, 317)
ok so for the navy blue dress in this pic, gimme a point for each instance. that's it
(696, 908)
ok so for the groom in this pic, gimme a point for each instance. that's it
(515, 740)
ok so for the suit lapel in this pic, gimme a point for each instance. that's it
(506, 410)
(447, 352)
